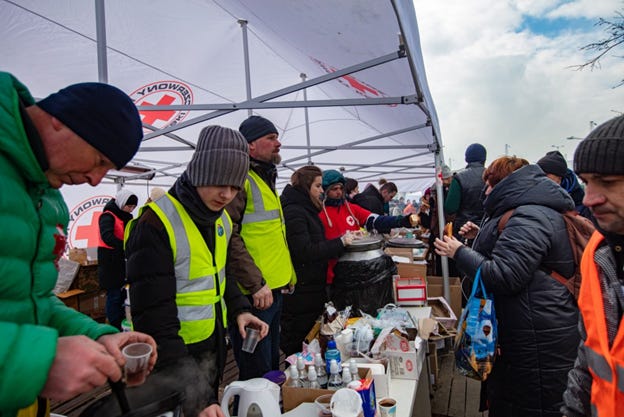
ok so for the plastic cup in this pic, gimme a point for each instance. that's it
(251, 341)
(387, 407)
(137, 362)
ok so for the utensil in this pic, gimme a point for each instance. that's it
(119, 389)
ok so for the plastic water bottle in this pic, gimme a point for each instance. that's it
(321, 371)
(334, 382)
(312, 378)
(294, 380)
(332, 353)
(346, 376)
(353, 370)
(303, 374)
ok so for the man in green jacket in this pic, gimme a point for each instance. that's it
(48, 350)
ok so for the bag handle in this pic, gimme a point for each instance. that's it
(478, 282)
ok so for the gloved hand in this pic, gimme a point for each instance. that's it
(347, 238)
(410, 221)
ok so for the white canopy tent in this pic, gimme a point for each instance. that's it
(343, 80)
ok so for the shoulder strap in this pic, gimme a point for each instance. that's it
(502, 222)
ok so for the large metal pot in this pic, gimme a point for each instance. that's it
(363, 250)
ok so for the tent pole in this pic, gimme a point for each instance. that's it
(441, 223)
(100, 25)
(307, 119)
(243, 24)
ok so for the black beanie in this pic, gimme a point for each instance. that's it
(102, 115)
(255, 127)
(221, 158)
(475, 153)
(553, 163)
(602, 151)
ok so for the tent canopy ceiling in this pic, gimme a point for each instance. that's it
(343, 80)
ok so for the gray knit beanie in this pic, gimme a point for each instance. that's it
(221, 158)
(602, 151)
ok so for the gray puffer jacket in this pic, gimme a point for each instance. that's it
(537, 316)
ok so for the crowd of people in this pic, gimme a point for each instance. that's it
(223, 251)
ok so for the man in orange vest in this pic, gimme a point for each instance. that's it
(596, 383)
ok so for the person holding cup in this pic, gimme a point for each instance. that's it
(49, 351)
(176, 251)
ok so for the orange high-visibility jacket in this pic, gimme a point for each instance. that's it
(606, 364)
(118, 231)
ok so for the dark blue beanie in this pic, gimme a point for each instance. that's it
(331, 177)
(102, 115)
(476, 153)
(255, 127)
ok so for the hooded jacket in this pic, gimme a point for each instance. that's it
(370, 199)
(310, 252)
(112, 261)
(33, 220)
(537, 316)
(152, 281)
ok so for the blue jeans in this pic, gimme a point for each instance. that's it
(115, 312)
(267, 354)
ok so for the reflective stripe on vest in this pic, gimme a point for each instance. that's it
(118, 231)
(606, 363)
(264, 233)
(195, 268)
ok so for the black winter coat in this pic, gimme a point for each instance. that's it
(371, 199)
(112, 262)
(537, 316)
(310, 252)
(153, 300)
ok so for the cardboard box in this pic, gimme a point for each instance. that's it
(70, 298)
(403, 364)
(292, 397)
(93, 304)
(435, 288)
(442, 312)
(434, 367)
(402, 252)
(87, 278)
(412, 270)
(410, 291)
(381, 376)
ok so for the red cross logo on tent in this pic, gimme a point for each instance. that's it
(150, 117)
(162, 93)
(90, 232)
(83, 229)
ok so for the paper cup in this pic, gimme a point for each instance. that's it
(387, 407)
(137, 362)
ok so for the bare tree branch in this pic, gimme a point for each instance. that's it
(615, 38)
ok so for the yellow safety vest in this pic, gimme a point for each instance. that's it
(264, 233)
(196, 269)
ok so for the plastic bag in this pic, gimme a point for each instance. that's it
(365, 285)
(477, 334)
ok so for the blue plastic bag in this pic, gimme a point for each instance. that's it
(475, 344)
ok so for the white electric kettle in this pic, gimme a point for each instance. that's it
(257, 397)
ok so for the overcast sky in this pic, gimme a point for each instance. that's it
(499, 73)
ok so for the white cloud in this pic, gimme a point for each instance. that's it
(497, 85)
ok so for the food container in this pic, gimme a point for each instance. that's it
(363, 249)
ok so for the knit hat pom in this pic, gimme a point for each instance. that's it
(602, 151)
(221, 158)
